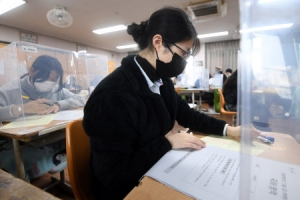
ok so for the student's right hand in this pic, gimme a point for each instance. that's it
(38, 106)
(184, 140)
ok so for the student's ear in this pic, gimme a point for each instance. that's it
(30, 71)
(157, 43)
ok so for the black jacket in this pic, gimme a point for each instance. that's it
(127, 123)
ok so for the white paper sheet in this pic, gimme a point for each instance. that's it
(69, 115)
(213, 173)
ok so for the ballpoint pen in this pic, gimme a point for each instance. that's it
(271, 139)
(264, 140)
(28, 98)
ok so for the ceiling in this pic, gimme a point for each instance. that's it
(93, 14)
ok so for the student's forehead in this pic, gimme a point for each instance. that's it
(54, 74)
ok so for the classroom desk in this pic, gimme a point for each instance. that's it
(15, 188)
(36, 136)
(285, 149)
(264, 93)
(193, 91)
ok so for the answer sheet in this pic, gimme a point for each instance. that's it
(69, 115)
(213, 173)
(33, 120)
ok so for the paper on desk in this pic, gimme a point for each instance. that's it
(34, 120)
(226, 143)
(69, 115)
(214, 173)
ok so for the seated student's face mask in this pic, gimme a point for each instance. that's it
(45, 86)
(171, 69)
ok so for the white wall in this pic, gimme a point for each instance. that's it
(9, 34)
(200, 56)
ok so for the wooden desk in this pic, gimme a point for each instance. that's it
(35, 135)
(285, 149)
(15, 188)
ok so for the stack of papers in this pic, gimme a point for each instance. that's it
(214, 173)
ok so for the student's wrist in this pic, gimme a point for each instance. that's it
(56, 104)
(16, 110)
(233, 131)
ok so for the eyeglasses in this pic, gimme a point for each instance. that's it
(185, 54)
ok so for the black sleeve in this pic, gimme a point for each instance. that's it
(194, 120)
(112, 122)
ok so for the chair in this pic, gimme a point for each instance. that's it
(178, 90)
(222, 108)
(78, 158)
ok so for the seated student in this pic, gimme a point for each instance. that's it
(230, 92)
(206, 96)
(259, 113)
(218, 71)
(71, 84)
(45, 94)
(228, 72)
(130, 116)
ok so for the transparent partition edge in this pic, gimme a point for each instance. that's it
(269, 99)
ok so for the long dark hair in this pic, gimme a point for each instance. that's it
(42, 67)
(172, 23)
(230, 85)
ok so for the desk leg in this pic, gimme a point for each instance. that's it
(19, 159)
(193, 99)
(199, 103)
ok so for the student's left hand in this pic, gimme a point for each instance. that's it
(235, 131)
(51, 109)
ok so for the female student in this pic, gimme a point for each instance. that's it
(230, 92)
(43, 93)
(130, 115)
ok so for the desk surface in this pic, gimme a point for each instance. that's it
(15, 188)
(189, 90)
(26, 134)
(285, 149)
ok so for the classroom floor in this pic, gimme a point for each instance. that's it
(57, 191)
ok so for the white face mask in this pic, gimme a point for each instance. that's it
(45, 86)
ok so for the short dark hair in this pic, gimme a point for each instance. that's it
(229, 70)
(172, 23)
(43, 65)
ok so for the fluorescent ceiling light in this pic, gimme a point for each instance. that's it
(265, 1)
(127, 46)
(7, 5)
(110, 29)
(213, 34)
(267, 28)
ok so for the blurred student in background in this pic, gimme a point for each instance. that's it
(230, 92)
(39, 92)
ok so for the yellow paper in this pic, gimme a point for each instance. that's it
(35, 120)
(226, 143)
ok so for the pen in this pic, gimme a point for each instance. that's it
(271, 139)
(28, 98)
(265, 140)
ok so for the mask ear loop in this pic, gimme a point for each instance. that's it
(167, 47)
(156, 54)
